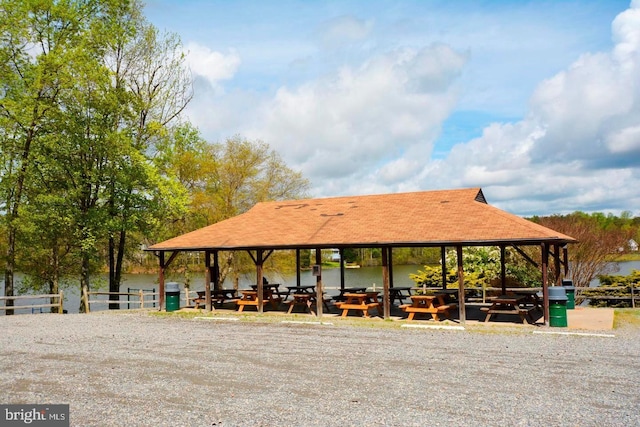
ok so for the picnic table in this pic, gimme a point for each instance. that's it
(250, 298)
(509, 304)
(532, 297)
(396, 293)
(218, 296)
(360, 301)
(341, 297)
(304, 296)
(435, 305)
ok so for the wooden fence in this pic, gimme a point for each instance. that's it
(59, 304)
(86, 295)
(610, 294)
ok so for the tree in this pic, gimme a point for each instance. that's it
(149, 71)
(598, 238)
(224, 180)
(35, 43)
(88, 87)
(482, 266)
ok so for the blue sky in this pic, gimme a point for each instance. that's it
(537, 102)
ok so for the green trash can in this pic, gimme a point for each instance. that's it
(567, 284)
(557, 307)
(172, 293)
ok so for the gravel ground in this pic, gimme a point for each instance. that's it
(137, 369)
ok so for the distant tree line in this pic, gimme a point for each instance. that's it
(602, 238)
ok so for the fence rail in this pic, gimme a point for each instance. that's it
(612, 293)
(140, 294)
(59, 304)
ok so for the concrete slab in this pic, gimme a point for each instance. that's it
(590, 318)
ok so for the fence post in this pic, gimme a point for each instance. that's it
(141, 297)
(633, 298)
(61, 305)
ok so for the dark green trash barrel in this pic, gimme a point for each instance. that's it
(172, 292)
(567, 284)
(557, 307)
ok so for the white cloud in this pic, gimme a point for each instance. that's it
(361, 121)
(211, 65)
(577, 148)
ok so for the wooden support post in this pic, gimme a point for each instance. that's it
(556, 263)
(341, 268)
(298, 276)
(385, 283)
(462, 310)
(443, 265)
(259, 279)
(208, 304)
(565, 257)
(161, 281)
(503, 269)
(545, 284)
(319, 290)
(215, 276)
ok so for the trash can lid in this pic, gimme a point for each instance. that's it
(557, 293)
(568, 284)
(171, 287)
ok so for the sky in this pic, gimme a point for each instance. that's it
(535, 102)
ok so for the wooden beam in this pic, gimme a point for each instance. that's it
(503, 269)
(545, 284)
(319, 290)
(160, 281)
(298, 276)
(341, 268)
(390, 267)
(208, 305)
(525, 256)
(462, 309)
(259, 280)
(385, 282)
(443, 265)
(216, 271)
(556, 264)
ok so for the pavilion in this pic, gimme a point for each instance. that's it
(443, 218)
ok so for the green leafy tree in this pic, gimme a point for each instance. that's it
(224, 180)
(482, 267)
(599, 236)
(36, 43)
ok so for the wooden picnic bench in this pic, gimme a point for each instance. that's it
(305, 300)
(360, 301)
(428, 304)
(218, 296)
(509, 304)
(250, 298)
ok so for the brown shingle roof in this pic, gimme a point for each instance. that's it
(429, 218)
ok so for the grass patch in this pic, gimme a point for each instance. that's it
(625, 317)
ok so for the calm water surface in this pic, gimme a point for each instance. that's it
(354, 277)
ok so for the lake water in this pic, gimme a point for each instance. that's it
(354, 277)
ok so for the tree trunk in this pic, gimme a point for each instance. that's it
(54, 282)
(84, 281)
(114, 285)
(9, 267)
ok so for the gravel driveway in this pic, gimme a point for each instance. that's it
(137, 369)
